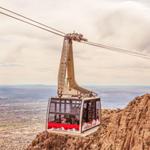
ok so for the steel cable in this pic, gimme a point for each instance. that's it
(62, 34)
(32, 24)
(20, 15)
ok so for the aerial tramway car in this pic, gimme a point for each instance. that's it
(74, 109)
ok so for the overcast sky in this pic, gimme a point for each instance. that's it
(31, 56)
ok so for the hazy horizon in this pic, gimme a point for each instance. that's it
(26, 84)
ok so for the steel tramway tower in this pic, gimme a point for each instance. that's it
(74, 109)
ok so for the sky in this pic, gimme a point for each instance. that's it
(31, 56)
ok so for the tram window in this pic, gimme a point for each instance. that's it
(55, 118)
(55, 106)
(65, 112)
(97, 109)
(90, 115)
(89, 111)
(68, 108)
(52, 107)
(62, 107)
(70, 119)
(51, 117)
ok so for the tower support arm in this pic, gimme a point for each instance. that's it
(67, 84)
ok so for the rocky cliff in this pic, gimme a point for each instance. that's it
(126, 129)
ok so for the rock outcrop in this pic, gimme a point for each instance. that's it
(127, 129)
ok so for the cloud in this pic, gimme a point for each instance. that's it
(125, 25)
(30, 55)
(10, 65)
